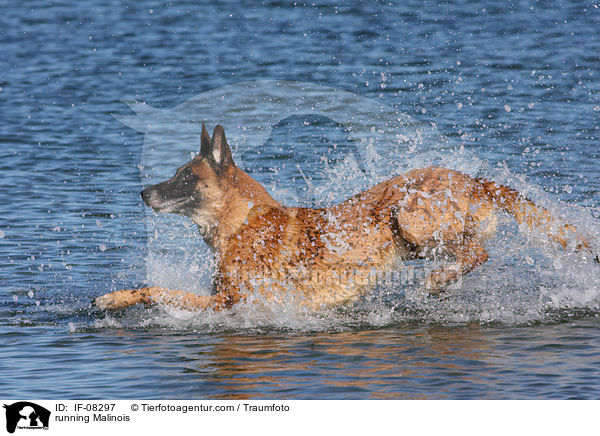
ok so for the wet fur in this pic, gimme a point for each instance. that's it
(327, 256)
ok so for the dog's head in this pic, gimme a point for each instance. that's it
(199, 188)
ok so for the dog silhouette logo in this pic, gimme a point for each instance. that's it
(26, 415)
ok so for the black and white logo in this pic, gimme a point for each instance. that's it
(26, 415)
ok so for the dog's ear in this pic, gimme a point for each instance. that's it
(219, 149)
(204, 142)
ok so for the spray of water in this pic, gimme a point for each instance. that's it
(527, 279)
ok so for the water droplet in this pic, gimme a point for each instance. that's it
(529, 260)
(557, 264)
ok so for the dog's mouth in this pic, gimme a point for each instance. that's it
(172, 206)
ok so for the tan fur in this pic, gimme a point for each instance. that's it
(328, 256)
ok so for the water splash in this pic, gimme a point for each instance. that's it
(526, 280)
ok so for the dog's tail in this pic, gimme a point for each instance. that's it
(536, 217)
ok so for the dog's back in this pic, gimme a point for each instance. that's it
(329, 255)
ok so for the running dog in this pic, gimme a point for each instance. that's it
(325, 257)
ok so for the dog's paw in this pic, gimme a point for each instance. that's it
(105, 302)
(119, 299)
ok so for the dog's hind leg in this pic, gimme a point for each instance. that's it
(155, 295)
(469, 255)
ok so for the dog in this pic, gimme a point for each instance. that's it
(325, 257)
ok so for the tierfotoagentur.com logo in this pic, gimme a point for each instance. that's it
(24, 415)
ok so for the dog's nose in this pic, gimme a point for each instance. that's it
(151, 197)
(146, 195)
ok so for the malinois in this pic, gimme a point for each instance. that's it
(324, 257)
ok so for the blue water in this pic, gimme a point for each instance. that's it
(513, 92)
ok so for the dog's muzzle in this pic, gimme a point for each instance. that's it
(149, 197)
(155, 200)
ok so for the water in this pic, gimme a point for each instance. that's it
(513, 93)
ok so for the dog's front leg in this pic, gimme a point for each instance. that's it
(120, 299)
(155, 295)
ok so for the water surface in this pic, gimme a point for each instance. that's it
(514, 89)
